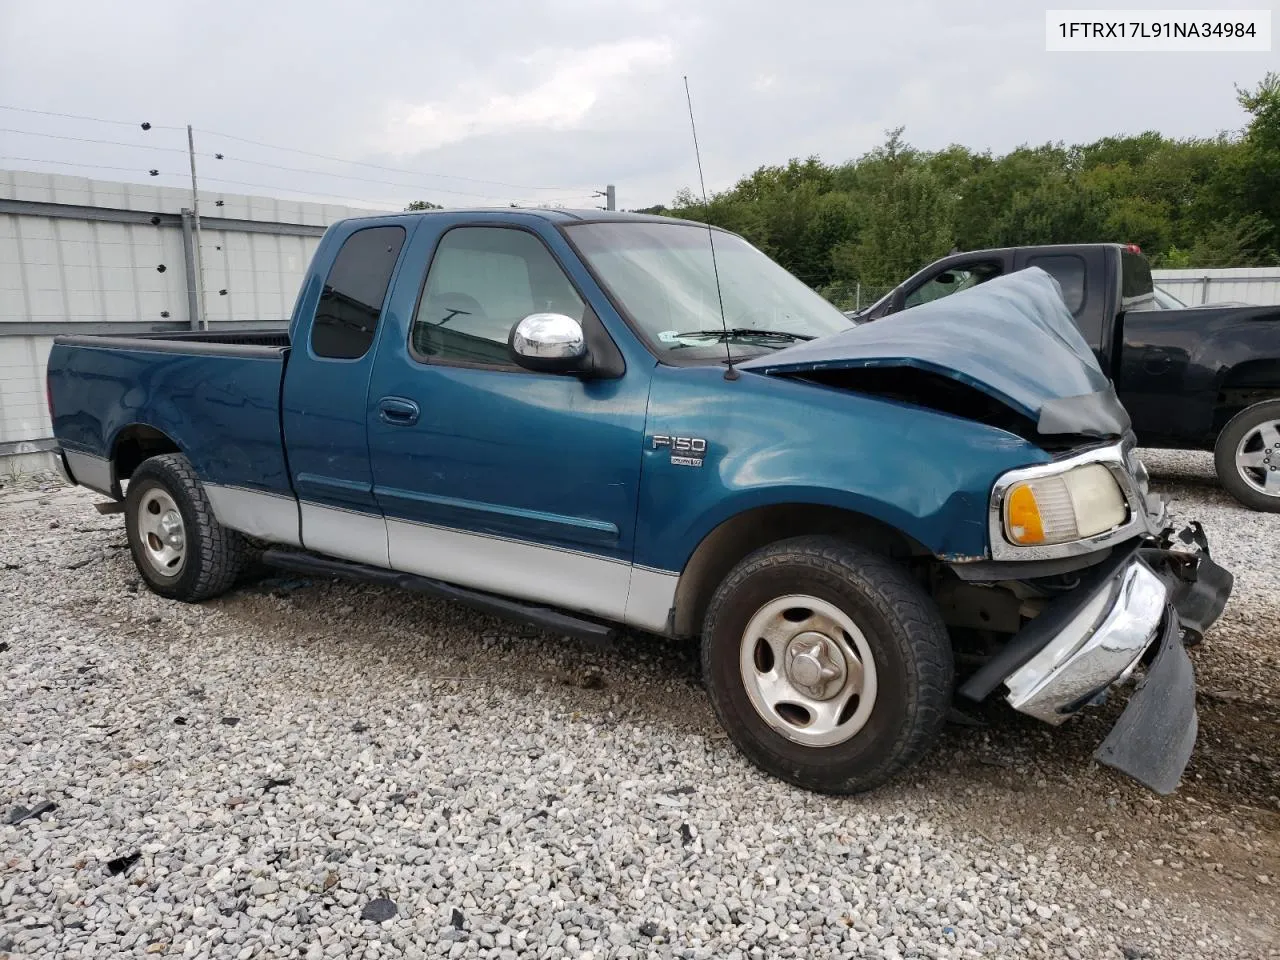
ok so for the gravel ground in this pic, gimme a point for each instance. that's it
(316, 769)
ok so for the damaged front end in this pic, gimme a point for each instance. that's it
(1084, 583)
(1006, 353)
(1141, 607)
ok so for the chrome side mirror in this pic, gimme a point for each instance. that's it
(549, 342)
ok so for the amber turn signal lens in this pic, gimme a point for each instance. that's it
(1025, 526)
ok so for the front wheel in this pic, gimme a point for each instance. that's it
(826, 664)
(1247, 456)
(179, 547)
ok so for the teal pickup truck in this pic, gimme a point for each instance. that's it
(584, 421)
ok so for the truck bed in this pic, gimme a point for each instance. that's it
(213, 395)
(203, 342)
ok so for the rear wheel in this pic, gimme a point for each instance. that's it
(826, 664)
(179, 548)
(1247, 456)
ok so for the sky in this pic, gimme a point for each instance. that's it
(491, 102)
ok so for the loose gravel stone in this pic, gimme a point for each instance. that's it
(440, 762)
(378, 910)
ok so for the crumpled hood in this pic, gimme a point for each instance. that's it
(1011, 337)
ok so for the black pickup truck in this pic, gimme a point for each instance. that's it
(1200, 378)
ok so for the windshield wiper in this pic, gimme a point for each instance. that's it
(747, 333)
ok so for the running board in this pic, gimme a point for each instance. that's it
(545, 617)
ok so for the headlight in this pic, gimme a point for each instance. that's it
(1078, 503)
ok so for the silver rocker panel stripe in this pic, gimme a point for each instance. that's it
(613, 589)
(348, 534)
(580, 582)
(268, 516)
(514, 568)
(652, 595)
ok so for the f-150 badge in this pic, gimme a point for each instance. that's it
(685, 451)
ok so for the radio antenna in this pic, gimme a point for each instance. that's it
(730, 373)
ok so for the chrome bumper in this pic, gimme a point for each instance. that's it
(1099, 646)
(1143, 605)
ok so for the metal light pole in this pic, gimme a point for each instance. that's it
(198, 321)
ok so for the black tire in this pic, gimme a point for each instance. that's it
(913, 658)
(213, 555)
(1224, 456)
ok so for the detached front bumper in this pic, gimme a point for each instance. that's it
(1135, 607)
(1099, 646)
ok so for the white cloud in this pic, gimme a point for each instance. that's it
(600, 101)
(1017, 87)
(575, 80)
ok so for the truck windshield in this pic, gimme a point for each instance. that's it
(661, 276)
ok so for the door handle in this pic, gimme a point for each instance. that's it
(398, 411)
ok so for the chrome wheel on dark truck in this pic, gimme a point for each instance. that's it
(826, 664)
(1247, 456)
(180, 549)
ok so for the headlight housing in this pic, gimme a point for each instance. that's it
(1076, 503)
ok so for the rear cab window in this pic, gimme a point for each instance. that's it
(1070, 272)
(1137, 289)
(354, 291)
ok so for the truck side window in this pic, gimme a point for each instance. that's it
(482, 282)
(351, 302)
(950, 281)
(1068, 269)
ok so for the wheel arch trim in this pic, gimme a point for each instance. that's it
(750, 529)
(126, 455)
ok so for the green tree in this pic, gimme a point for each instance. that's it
(909, 223)
(1258, 166)
(1237, 242)
(873, 220)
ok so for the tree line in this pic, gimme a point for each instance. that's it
(1200, 202)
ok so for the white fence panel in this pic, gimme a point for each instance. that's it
(1258, 285)
(79, 254)
(24, 412)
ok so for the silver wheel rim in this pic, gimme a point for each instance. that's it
(808, 670)
(1258, 458)
(162, 534)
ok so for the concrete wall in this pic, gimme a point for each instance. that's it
(24, 411)
(80, 255)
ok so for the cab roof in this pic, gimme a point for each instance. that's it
(551, 214)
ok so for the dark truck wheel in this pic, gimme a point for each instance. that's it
(826, 664)
(1247, 456)
(182, 552)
